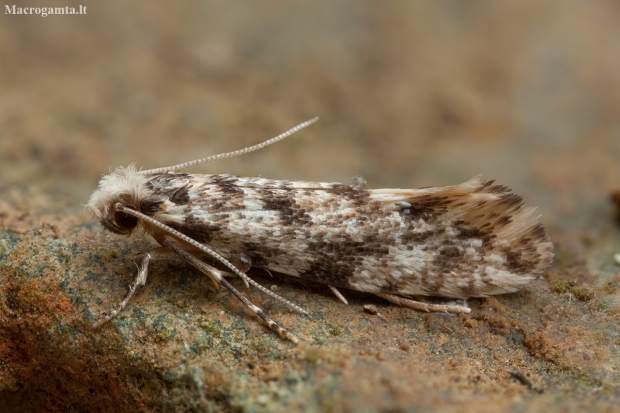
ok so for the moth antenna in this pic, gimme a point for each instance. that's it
(233, 153)
(209, 251)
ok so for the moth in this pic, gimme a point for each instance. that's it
(475, 239)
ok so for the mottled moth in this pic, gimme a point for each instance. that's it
(470, 240)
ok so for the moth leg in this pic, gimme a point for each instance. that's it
(243, 263)
(210, 271)
(337, 294)
(420, 306)
(139, 280)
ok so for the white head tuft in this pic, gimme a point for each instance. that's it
(124, 185)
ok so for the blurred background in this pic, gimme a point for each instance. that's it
(409, 94)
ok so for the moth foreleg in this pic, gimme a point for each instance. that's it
(207, 269)
(420, 306)
(139, 279)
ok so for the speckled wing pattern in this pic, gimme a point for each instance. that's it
(469, 240)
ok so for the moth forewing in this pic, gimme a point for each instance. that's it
(469, 240)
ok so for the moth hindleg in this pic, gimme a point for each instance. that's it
(420, 306)
(338, 294)
(209, 270)
(139, 280)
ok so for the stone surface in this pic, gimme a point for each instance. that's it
(409, 94)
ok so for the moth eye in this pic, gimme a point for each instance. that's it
(125, 221)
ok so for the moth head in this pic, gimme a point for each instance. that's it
(125, 186)
(117, 221)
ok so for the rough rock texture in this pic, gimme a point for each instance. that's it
(409, 94)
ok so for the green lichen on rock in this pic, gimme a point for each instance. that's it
(577, 288)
